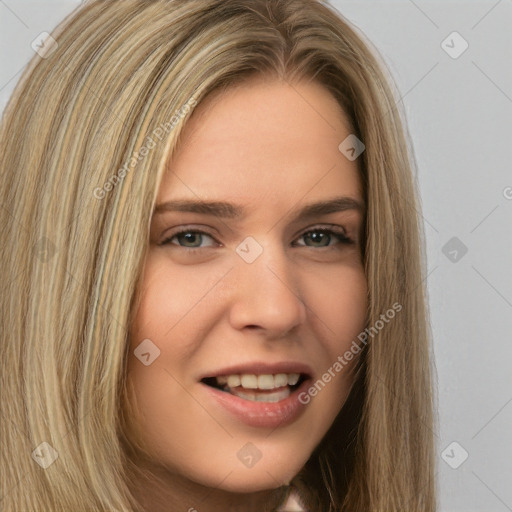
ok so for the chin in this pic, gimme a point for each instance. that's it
(255, 480)
(275, 472)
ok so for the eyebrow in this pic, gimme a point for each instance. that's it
(230, 211)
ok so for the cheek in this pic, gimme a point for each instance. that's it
(338, 303)
(164, 300)
(173, 311)
(164, 422)
(339, 299)
(170, 296)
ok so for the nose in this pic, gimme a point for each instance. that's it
(266, 295)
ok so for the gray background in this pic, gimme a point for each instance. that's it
(460, 116)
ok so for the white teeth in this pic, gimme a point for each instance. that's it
(293, 378)
(280, 380)
(277, 396)
(233, 381)
(249, 381)
(264, 382)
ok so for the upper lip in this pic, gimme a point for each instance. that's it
(261, 368)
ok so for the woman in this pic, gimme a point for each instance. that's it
(285, 353)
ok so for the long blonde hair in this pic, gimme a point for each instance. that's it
(79, 177)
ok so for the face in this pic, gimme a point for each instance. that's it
(247, 287)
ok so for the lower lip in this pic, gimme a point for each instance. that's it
(261, 414)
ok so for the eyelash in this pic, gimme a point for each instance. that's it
(338, 233)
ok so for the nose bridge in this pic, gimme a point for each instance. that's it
(267, 290)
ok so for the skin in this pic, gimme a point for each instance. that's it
(272, 148)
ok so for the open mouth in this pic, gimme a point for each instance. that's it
(258, 388)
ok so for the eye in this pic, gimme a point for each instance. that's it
(316, 238)
(188, 238)
(322, 237)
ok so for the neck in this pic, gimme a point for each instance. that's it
(159, 490)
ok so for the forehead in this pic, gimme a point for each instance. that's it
(264, 139)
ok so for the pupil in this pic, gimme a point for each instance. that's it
(189, 237)
(317, 237)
